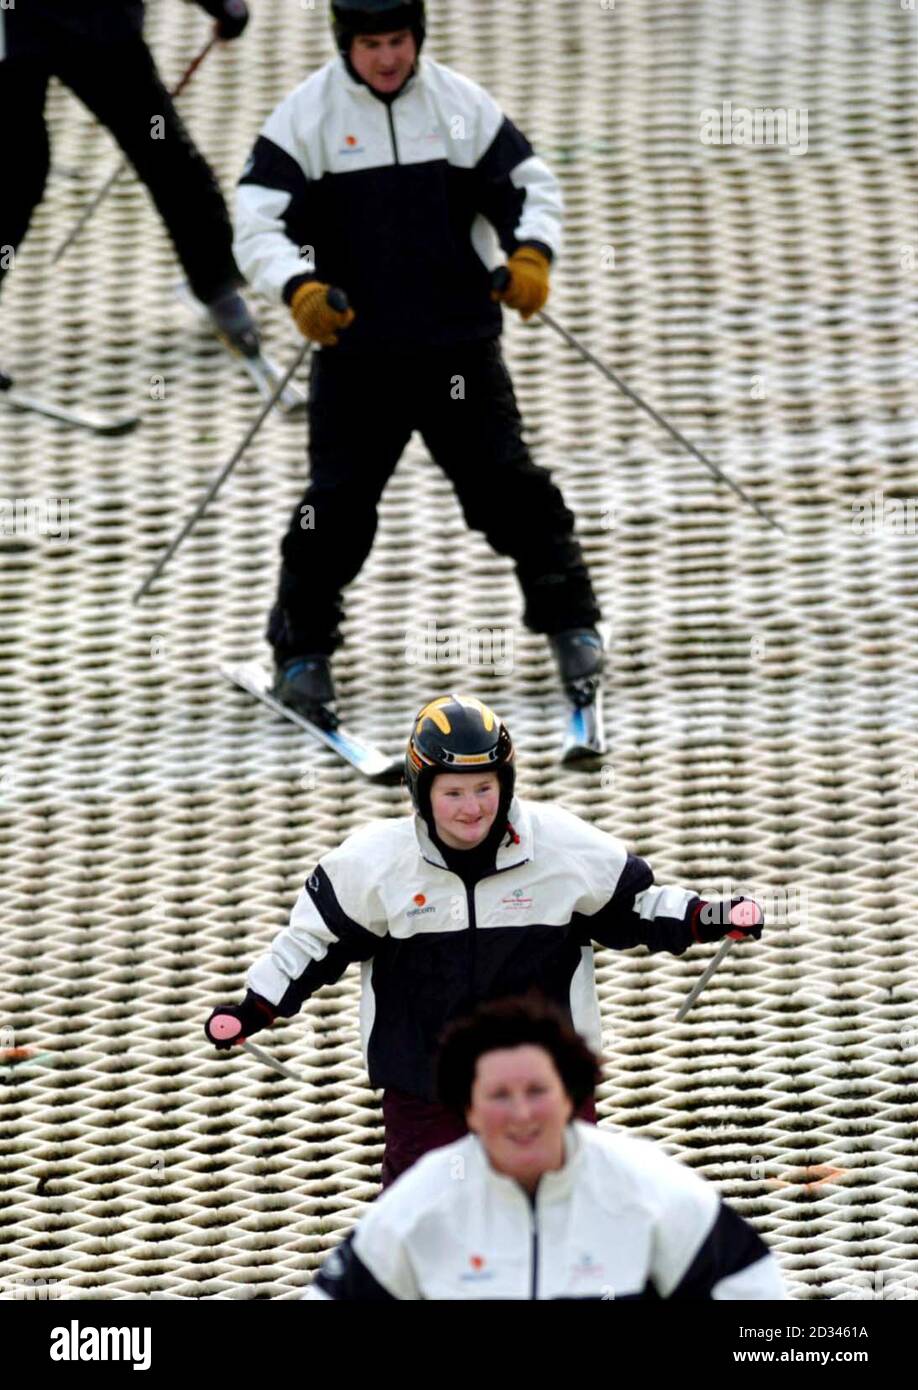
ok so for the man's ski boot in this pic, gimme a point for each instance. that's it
(228, 315)
(231, 318)
(579, 656)
(304, 684)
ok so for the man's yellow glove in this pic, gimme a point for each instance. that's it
(528, 287)
(312, 307)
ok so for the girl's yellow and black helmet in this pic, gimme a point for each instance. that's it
(457, 733)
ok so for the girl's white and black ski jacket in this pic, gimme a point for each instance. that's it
(432, 947)
(620, 1220)
(403, 203)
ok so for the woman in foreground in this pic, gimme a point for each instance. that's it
(534, 1204)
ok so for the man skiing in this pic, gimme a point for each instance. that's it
(96, 48)
(477, 896)
(392, 178)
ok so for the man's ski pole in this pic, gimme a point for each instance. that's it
(337, 299)
(224, 473)
(500, 280)
(113, 178)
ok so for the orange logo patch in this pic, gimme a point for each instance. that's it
(350, 139)
(476, 1261)
(420, 899)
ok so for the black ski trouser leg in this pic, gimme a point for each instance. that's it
(476, 437)
(359, 425)
(119, 84)
(26, 156)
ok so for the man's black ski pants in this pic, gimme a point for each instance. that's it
(363, 409)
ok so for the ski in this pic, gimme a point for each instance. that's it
(78, 419)
(261, 370)
(584, 734)
(254, 678)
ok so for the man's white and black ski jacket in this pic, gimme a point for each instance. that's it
(620, 1220)
(403, 203)
(432, 947)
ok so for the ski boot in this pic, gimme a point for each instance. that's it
(579, 656)
(304, 684)
(230, 316)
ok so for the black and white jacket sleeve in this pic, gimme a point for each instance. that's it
(514, 188)
(276, 189)
(371, 1266)
(338, 918)
(642, 913)
(619, 904)
(702, 1248)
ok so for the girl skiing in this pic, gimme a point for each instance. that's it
(477, 896)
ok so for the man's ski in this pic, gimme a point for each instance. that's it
(584, 735)
(253, 677)
(262, 371)
(79, 419)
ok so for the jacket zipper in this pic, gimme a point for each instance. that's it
(470, 897)
(469, 890)
(392, 133)
(534, 1286)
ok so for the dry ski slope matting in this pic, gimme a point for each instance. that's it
(763, 685)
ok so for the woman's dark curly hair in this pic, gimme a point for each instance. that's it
(531, 1020)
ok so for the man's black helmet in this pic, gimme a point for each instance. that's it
(457, 733)
(352, 17)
